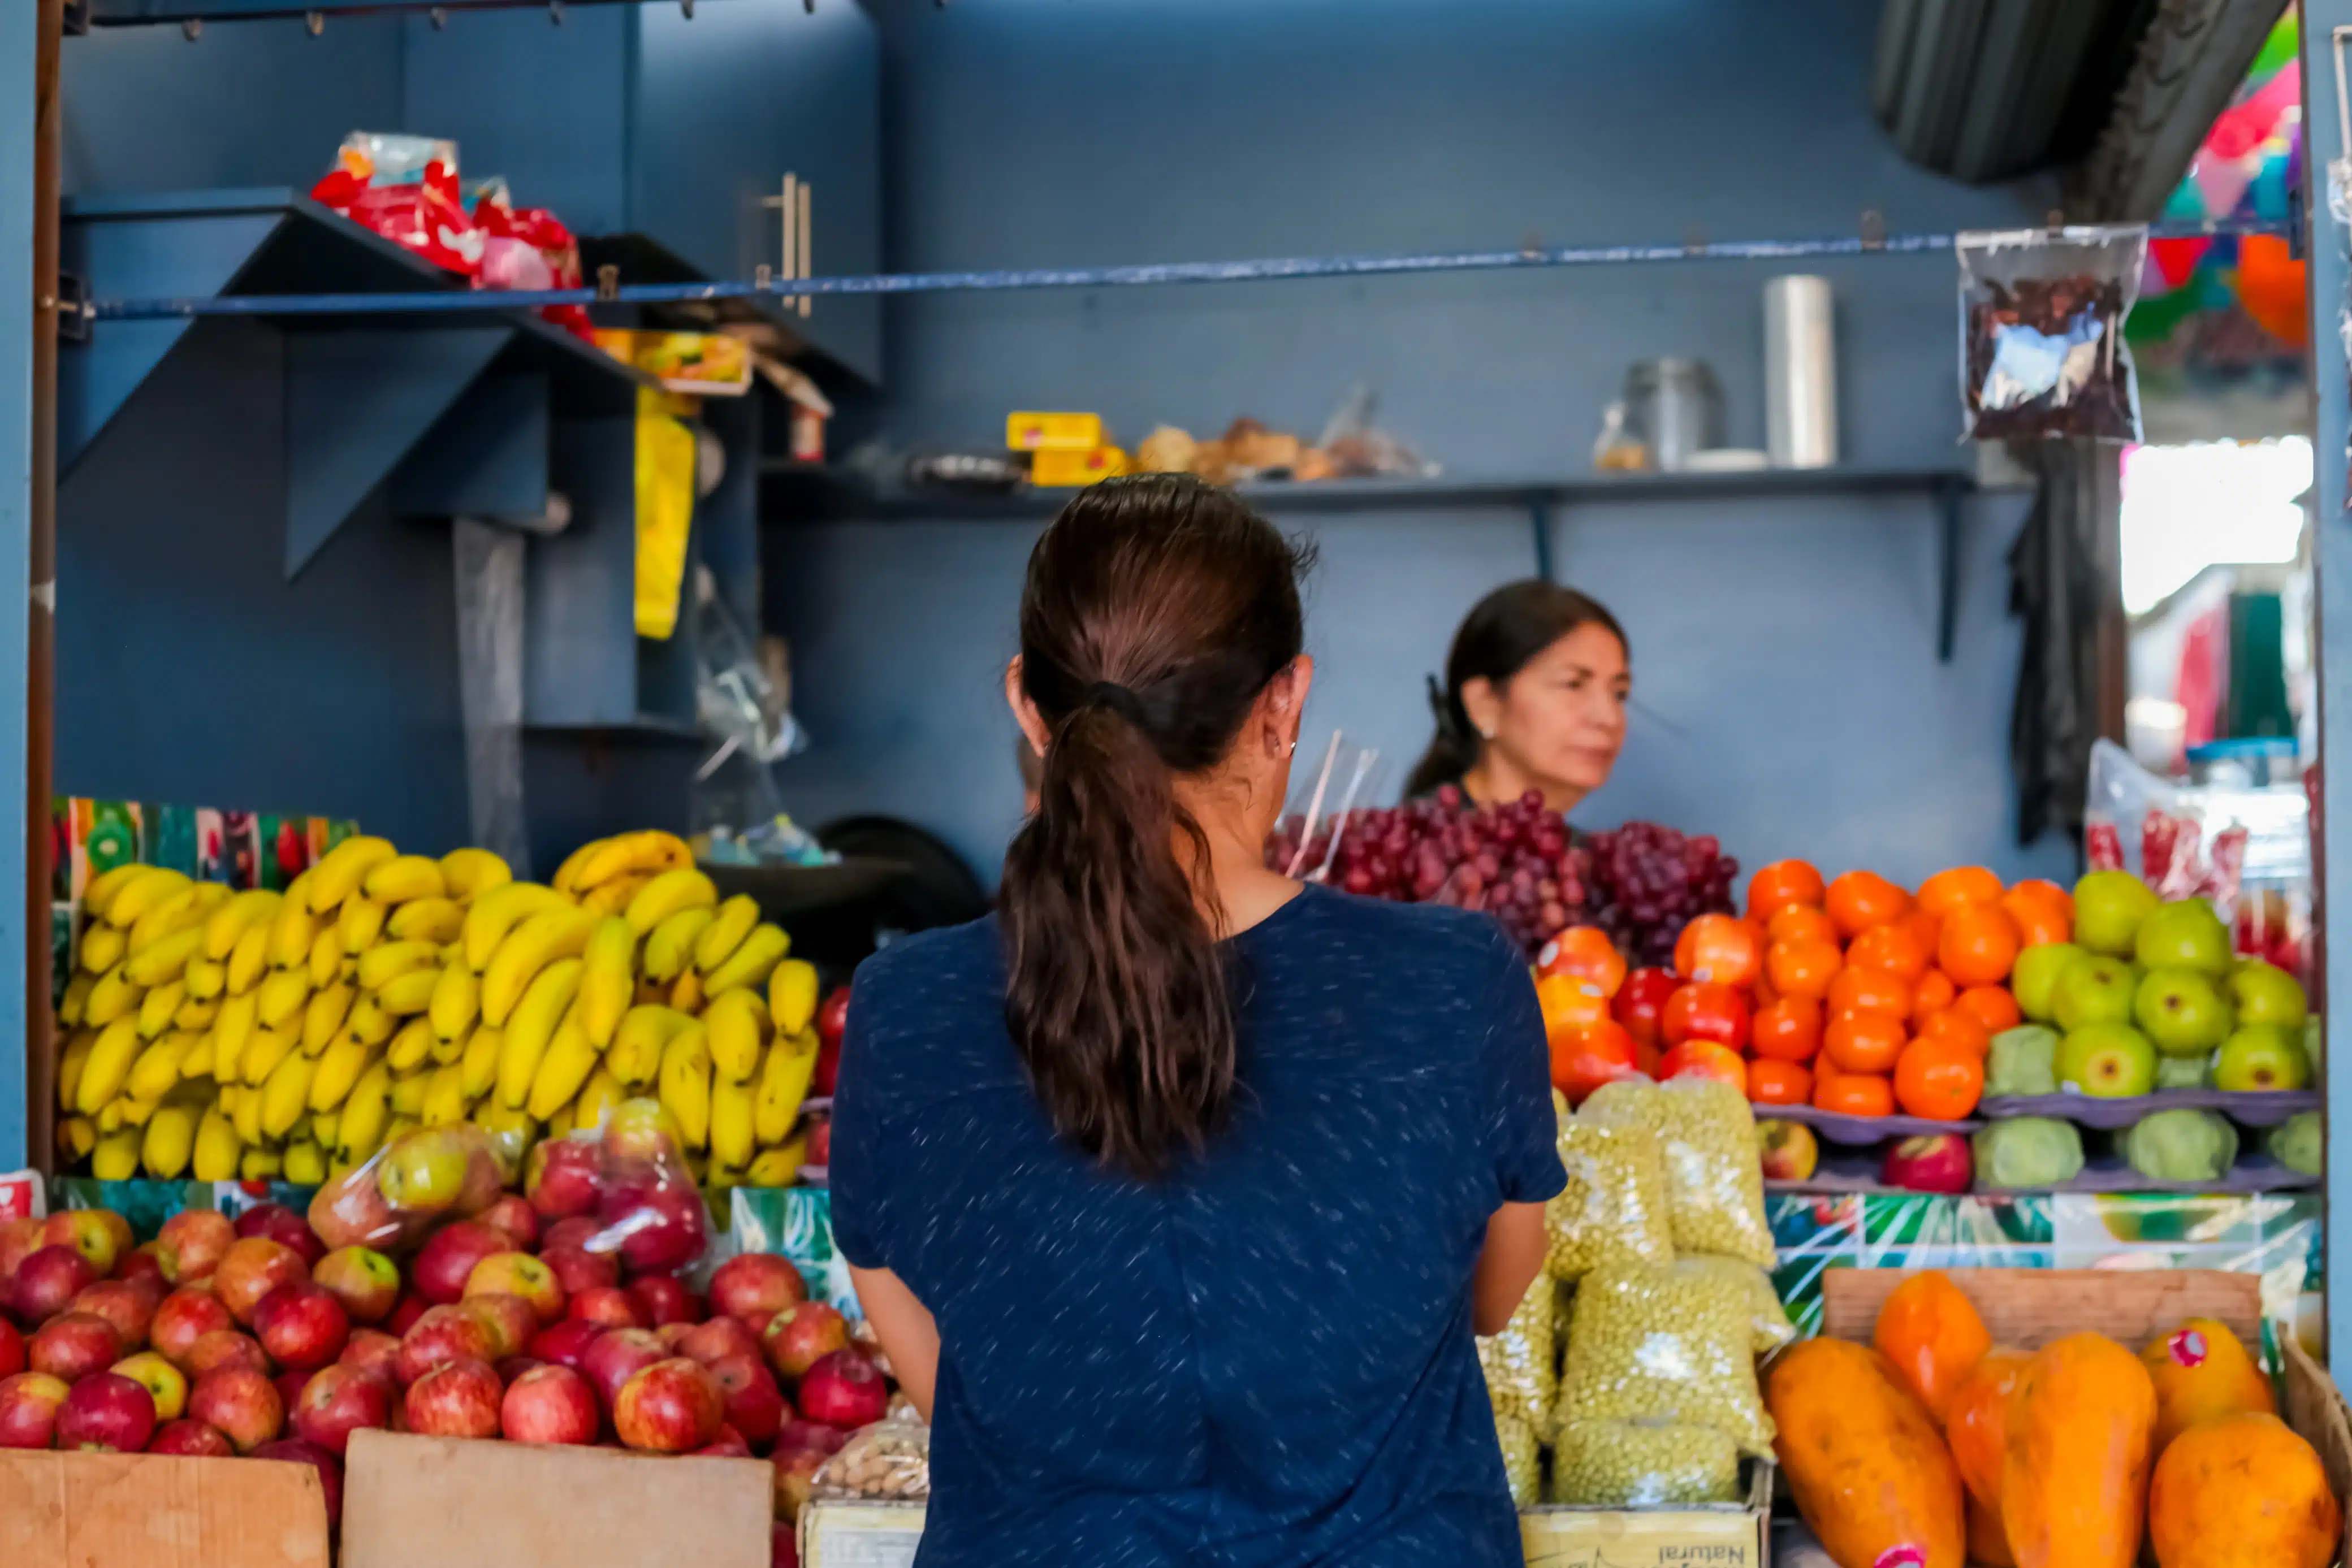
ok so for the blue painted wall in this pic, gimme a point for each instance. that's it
(20, 57)
(1788, 693)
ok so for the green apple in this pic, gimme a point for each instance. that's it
(2036, 977)
(2184, 935)
(2261, 1056)
(2264, 993)
(2108, 907)
(2183, 1012)
(423, 1170)
(2183, 1071)
(2093, 989)
(2109, 1060)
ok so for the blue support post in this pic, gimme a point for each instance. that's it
(20, 33)
(2323, 143)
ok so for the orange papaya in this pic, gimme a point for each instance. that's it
(2074, 1483)
(1976, 1426)
(2242, 1491)
(1863, 1460)
(1933, 1335)
(1988, 1541)
(2201, 1370)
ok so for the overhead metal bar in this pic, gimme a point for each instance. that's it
(1145, 276)
(151, 13)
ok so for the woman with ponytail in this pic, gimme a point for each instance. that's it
(1175, 1190)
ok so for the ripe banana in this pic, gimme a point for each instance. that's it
(791, 995)
(325, 1126)
(157, 1068)
(265, 1050)
(456, 1001)
(304, 1163)
(224, 927)
(198, 1062)
(186, 908)
(666, 894)
(70, 1062)
(116, 1157)
(736, 1022)
(614, 896)
(411, 1047)
(339, 874)
(164, 959)
(282, 996)
(434, 920)
(409, 994)
(359, 1121)
(340, 1067)
(686, 994)
(478, 1064)
(322, 1019)
(194, 1015)
(408, 1095)
(218, 1148)
(749, 965)
(541, 940)
(246, 1111)
(669, 945)
(783, 1085)
(238, 1017)
(531, 1026)
(76, 998)
(636, 1053)
(379, 967)
(207, 978)
(250, 958)
(404, 878)
(170, 1140)
(77, 1135)
(773, 1167)
(686, 1084)
(442, 1052)
(361, 922)
(726, 932)
(498, 912)
(140, 895)
(111, 997)
(605, 981)
(650, 851)
(286, 1094)
(108, 1065)
(325, 966)
(570, 1057)
(566, 879)
(469, 873)
(107, 883)
(598, 1097)
(731, 1126)
(369, 1023)
(445, 1099)
(295, 928)
(156, 1007)
(260, 1165)
(102, 947)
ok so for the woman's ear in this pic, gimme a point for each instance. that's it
(1024, 712)
(1286, 705)
(1484, 703)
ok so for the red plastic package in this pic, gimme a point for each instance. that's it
(405, 189)
(529, 248)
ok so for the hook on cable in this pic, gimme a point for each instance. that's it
(555, 12)
(440, 17)
(191, 29)
(316, 21)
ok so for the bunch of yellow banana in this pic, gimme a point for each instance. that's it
(251, 1035)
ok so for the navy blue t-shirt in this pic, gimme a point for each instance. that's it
(1262, 1359)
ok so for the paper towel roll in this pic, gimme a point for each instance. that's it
(1801, 372)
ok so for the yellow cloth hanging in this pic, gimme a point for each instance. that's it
(664, 508)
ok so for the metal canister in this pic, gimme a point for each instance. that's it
(1674, 407)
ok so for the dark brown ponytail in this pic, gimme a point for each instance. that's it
(1155, 611)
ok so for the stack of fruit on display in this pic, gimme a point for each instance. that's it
(1933, 1445)
(254, 1035)
(553, 1317)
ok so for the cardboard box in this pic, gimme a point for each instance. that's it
(860, 1534)
(1715, 1535)
(149, 1510)
(445, 1503)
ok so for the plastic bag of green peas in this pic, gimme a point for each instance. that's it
(1520, 1364)
(1614, 1205)
(1522, 1461)
(1767, 1320)
(1663, 1344)
(1714, 1172)
(1634, 1464)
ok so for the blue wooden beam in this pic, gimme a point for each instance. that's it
(486, 458)
(20, 30)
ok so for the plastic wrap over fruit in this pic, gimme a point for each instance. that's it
(1640, 1464)
(1767, 1320)
(414, 1182)
(1613, 1207)
(1706, 1136)
(890, 1460)
(647, 1211)
(1520, 1364)
(1670, 1345)
(1522, 1461)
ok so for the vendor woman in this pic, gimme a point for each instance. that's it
(1535, 693)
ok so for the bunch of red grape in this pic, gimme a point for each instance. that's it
(1514, 861)
(1650, 882)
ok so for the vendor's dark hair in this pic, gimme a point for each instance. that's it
(1155, 611)
(1497, 638)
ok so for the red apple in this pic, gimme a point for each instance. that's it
(514, 1367)
(1704, 1058)
(121, 1303)
(565, 1344)
(549, 1405)
(661, 1225)
(519, 1274)
(142, 1269)
(673, 1406)
(108, 1412)
(458, 1399)
(339, 1401)
(445, 1335)
(513, 1214)
(662, 1300)
(797, 1471)
(606, 1306)
(50, 1277)
(29, 1403)
(192, 1244)
(843, 1390)
(283, 1226)
(820, 1142)
(74, 1346)
(560, 1178)
(800, 1336)
(440, 1268)
(183, 1317)
(88, 1232)
(19, 1239)
(217, 1348)
(706, 1341)
(617, 1355)
(255, 1266)
(783, 1537)
(796, 1433)
(191, 1439)
(303, 1327)
(572, 1235)
(365, 1281)
(576, 1270)
(1940, 1162)
(404, 1314)
(166, 1385)
(12, 1349)
(673, 1338)
(372, 1351)
(298, 1451)
(754, 1286)
(729, 1445)
(242, 1402)
(289, 1389)
(510, 1319)
(755, 1406)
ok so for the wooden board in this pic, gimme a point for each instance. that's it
(149, 1510)
(445, 1503)
(2028, 1308)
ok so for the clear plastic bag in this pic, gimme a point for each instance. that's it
(1521, 1363)
(1663, 1344)
(1767, 1320)
(2041, 333)
(1705, 1135)
(890, 1461)
(1522, 1461)
(1614, 1206)
(1640, 1464)
(416, 1181)
(647, 1209)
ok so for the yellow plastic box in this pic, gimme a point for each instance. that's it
(1052, 469)
(1053, 432)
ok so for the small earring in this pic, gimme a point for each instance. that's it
(1486, 735)
(1291, 751)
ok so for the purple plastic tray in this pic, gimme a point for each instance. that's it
(1843, 1171)
(2251, 1108)
(1860, 1132)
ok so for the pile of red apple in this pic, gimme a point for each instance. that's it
(251, 1337)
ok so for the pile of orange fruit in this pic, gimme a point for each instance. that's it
(1854, 995)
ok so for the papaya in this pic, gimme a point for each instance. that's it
(1863, 1460)
(1933, 1335)
(2201, 1370)
(1977, 1425)
(1988, 1542)
(2073, 1481)
(2242, 1491)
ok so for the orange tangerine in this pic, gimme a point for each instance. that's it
(1992, 1006)
(1948, 890)
(1893, 948)
(1977, 946)
(1869, 990)
(1861, 899)
(1863, 1041)
(1802, 969)
(1783, 884)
